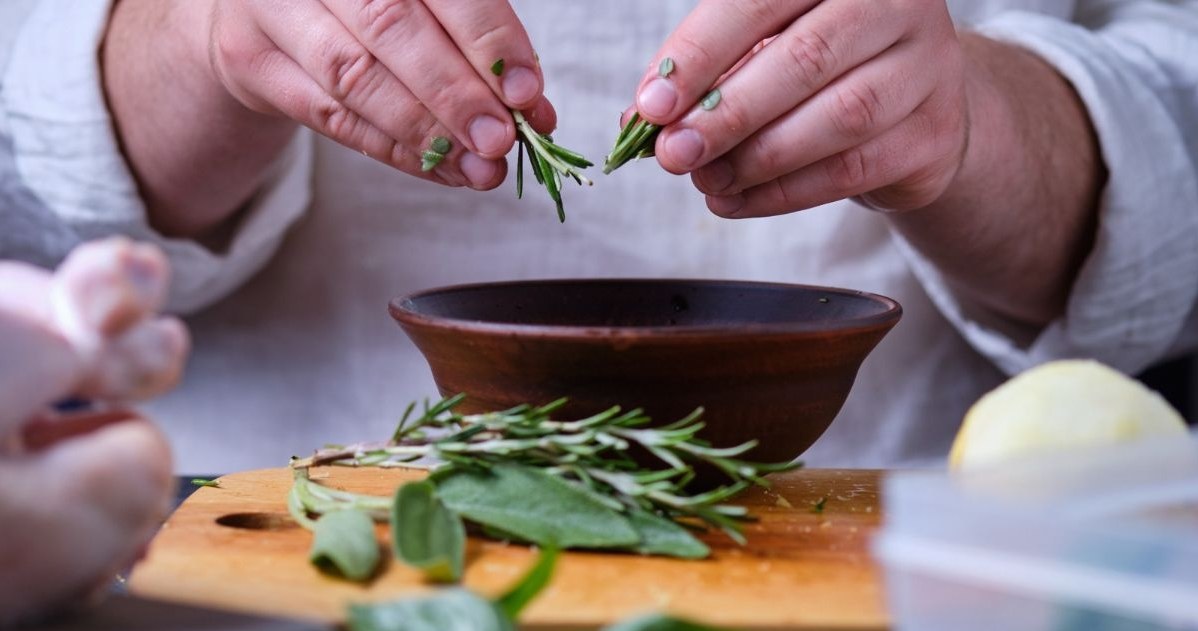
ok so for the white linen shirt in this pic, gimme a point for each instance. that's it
(293, 344)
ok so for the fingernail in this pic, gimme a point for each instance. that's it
(520, 85)
(488, 134)
(717, 177)
(479, 171)
(657, 99)
(725, 206)
(684, 147)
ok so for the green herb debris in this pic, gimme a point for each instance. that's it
(710, 101)
(438, 147)
(497, 67)
(818, 506)
(460, 609)
(202, 482)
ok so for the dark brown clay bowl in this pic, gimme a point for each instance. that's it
(770, 362)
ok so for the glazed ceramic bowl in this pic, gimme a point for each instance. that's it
(766, 361)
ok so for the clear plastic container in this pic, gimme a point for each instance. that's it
(1101, 540)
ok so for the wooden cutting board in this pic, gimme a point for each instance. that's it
(235, 547)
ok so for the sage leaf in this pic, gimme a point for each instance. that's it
(343, 541)
(425, 534)
(522, 593)
(658, 622)
(536, 506)
(446, 610)
(666, 537)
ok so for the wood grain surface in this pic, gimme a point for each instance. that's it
(235, 547)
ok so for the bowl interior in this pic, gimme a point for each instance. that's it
(679, 305)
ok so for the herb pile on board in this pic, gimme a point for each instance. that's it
(520, 475)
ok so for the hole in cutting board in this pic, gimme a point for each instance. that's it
(257, 521)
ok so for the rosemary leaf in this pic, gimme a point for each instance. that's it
(202, 482)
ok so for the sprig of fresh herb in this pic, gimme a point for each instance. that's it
(592, 455)
(550, 162)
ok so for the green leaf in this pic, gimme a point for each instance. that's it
(535, 506)
(658, 622)
(425, 534)
(666, 67)
(497, 67)
(663, 536)
(446, 610)
(430, 159)
(711, 100)
(344, 542)
(441, 145)
(522, 593)
(202, 482)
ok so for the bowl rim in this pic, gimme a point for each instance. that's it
(406, 316)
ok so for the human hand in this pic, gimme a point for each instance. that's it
(386, 78)
(819, 101)
(81, 494)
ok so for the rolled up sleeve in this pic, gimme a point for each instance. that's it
(66, 153)
(1133, 65)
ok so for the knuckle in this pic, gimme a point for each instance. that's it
(334, 120)
(379, 18)
(495, 37)
(812, 59)
(758, 11)
(856, 110)
(344, 68)
(847, 171)
(765, 157)
(736, 116)
(695, 54)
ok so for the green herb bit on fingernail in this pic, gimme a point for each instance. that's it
(497, 67)
(437, 148)
(430, 159)
(711, 100)
(441, 145)
(666, 67)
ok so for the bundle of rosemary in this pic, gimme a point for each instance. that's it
(522, 476)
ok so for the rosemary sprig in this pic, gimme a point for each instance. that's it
(593, 453)
(636, 140)
(550, 162)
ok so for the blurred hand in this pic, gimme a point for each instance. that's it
(81, 495)
(820, 101)
(386, 77)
